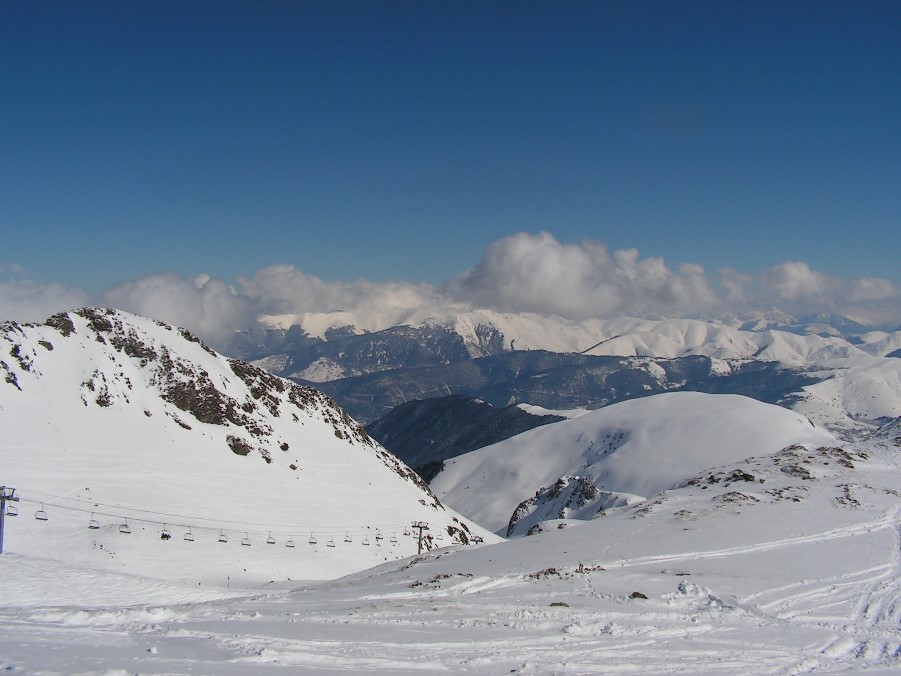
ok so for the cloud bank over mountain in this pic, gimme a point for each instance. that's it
(521, 273)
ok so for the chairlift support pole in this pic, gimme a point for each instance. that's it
(421, 525)
(6, 494)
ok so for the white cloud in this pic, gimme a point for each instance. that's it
(282, 289)
(12, 268)
(537, 273)
(26, 301)
(794, 280)
(521, 273)
(207, 306)
(794, 287)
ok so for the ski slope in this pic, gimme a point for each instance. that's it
(138, 427)
(787, 572)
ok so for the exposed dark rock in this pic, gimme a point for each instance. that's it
(238, 445)
(735, 497)
(62, 323)
(10, 376)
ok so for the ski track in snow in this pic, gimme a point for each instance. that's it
(458, 622)
(746, 608)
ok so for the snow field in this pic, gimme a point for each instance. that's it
(774, 586)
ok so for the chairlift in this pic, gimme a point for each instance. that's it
(222, 536)
(378, 536)
(245, 540)
(312, 539)
(12, 510)
(289, 542)
(366, 540)
(348, 538)
(124, 529)
(270, 540)
(41, 515)
(93, 524)
(189, 536)
(165, 535)
(406, 532)
(331, 542)
(393, 539)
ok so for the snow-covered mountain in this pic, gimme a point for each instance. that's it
(111, 419)
(637, 447)
(769, 356)
(784, 563)
(319, 348)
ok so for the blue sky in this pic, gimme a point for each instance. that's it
(399, 140)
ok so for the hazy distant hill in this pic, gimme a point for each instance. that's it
(423, 433)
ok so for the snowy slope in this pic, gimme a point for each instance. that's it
(131, 420)
(863, 391)
(782, 564)
(639, 447)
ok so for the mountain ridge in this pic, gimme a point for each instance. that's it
(108, 412)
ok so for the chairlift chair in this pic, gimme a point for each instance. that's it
(222, 536)
(366, 540)
(270, 540)
(165, 535)
(289, 542)
(41, 515)
(393, 539)
(331, 542)
(312, 539)
(124, 529)
(378, 536)
(348, 538)
(12, 510)
(93, 524)
(245, 540)
(189, 536)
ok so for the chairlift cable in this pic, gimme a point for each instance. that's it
(189, 521)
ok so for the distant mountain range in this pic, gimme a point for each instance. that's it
(501, 357)
(319, 348)
(840, 372)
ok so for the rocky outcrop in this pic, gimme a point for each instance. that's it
(570, 497)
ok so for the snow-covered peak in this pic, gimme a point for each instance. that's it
(136, 421)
